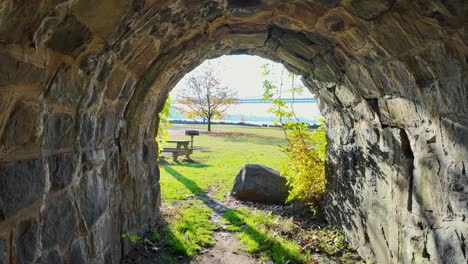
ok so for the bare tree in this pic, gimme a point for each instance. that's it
(204, 96)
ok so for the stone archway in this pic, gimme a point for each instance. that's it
(81, 83)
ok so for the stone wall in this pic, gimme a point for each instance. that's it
(81, 82)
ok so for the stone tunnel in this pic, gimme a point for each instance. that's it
(82, 81)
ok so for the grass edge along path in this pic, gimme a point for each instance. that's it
(281, 248)
(187, 185)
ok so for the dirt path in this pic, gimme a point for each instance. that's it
(228, 248)
(226, 251)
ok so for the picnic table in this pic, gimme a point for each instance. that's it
(182, 148)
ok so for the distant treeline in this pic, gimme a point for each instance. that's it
(196, 122)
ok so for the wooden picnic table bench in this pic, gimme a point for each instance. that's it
(182, 148)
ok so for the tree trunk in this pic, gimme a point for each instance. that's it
(209, 124)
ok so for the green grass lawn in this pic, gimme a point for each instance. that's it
(222, 154)
(192, 189)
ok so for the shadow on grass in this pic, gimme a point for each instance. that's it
(193, 164)
(272, 248)
(159, 245)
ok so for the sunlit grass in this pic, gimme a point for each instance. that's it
(220, 158)
(191, 230)
(191, 190)
(256, 232)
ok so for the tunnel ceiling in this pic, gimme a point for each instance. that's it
(82, 81)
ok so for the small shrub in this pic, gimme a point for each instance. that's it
(304, 166)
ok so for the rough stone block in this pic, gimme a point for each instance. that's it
(458, 187)
(154, 174)
(61, 170)
(50, 258)
(3, 254)
(60, 223)
(79, 252)
(106, 126)
(127, 89)
(391, 36)
(115, 83)
(293, 60)
(26, 241)
(411, 249)
(346, 96)
(300, 45)
(21, 183)
(86, 130)
(22, 126)
(369, 9)
(427, 188)
(421, 70)
(93, 199)
(60, 131)
(447, 245)
(112, 166)
(355, 38)
(239, 8)
(70, 37)
(65, 88)
(400, 112)
(105, 232)
(377, 238)
(15, 71)
(454, 139)
(105, 71)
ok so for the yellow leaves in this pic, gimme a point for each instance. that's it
(304, 166)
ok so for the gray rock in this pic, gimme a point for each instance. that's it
(51, 258)
(63, 88)
(59, 131)
(26, 240)
(21, 71)
(61, 169)
(369, 9)
(60, 222)
(22, 126)
(2, 252)
(127, 89)
(93, 200)
(87, 130)
(21, 183)
(70, 37)
(79, 252)
(258, 183)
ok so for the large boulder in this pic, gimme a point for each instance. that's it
(258, 183)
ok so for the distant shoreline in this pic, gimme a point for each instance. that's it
(258, 124)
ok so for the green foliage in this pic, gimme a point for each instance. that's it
(133, 238)
(304, 166)
(163, 134)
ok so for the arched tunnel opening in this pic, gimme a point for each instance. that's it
(201, 196)
(81, 82)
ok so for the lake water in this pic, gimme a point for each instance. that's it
(257, 113)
